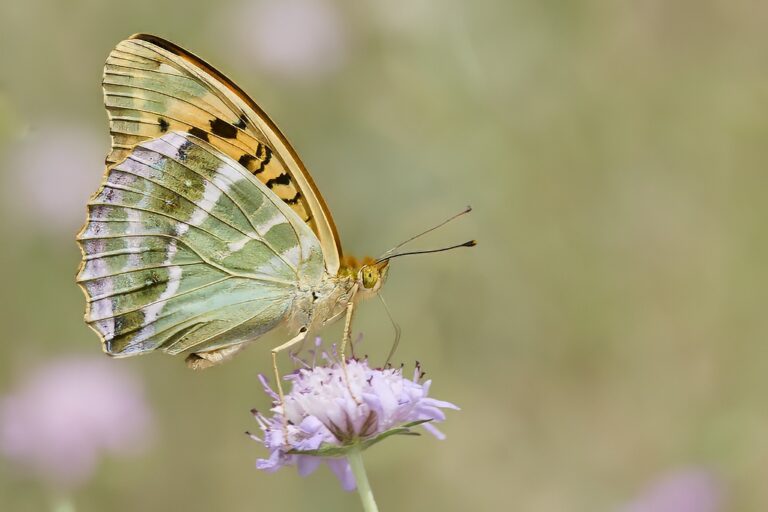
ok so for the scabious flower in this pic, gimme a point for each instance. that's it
(66, 414)
(330, 410)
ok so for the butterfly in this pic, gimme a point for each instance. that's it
(207, 231)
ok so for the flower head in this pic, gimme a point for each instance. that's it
(332, 408)
(67, 413)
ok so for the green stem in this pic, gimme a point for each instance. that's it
(355, 458)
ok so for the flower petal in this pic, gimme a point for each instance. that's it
(307, 464)
(343, 472)
(434, 431)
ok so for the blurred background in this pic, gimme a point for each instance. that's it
(606, 340)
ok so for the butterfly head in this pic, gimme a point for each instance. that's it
(368, 273)
(371, 276)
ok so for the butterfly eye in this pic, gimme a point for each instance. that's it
(369, 278)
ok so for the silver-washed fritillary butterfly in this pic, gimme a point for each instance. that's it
(207, 230)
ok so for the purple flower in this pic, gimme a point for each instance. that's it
(691, 490)
(65, 414)
(325, 414)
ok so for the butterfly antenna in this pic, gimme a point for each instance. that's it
(398, 331)
(414, 237)
(470, 243)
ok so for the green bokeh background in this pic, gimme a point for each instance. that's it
(609, 327)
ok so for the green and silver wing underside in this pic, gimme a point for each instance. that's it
(185, 249)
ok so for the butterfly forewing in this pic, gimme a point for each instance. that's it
(152, 87)
(184, 249)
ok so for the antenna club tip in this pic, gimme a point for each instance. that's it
(471, 243)
(468, 209)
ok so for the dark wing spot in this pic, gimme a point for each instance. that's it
(185, 147)
(245, 160)
(240, 123)
(282, 179)
(294, 199)
(265, 161)
(200, 134)
(163, 124)
(223, 129)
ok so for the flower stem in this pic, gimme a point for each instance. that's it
(355, 458)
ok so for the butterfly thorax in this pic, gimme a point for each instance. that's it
(320, 303)
(323, 302)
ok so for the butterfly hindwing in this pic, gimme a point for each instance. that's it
(184, 248)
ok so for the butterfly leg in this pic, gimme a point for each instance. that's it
(203, 360)
(347, 333)
(344, 340)
(288, 344)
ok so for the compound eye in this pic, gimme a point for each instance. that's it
(369, 278)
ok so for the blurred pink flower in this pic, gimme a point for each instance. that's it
(66, 414)
(48, 175)
(689, 490)
(293, 38)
